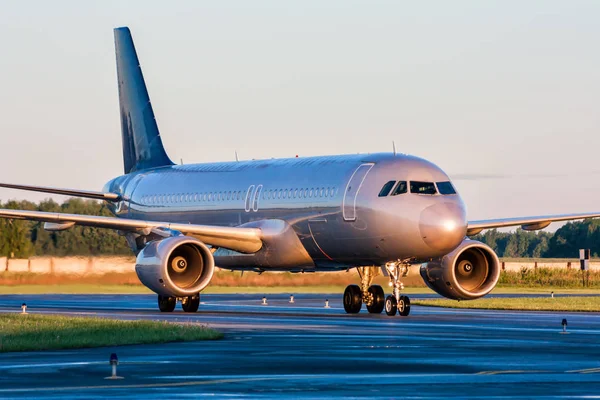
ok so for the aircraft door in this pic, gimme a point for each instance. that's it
(352, 188)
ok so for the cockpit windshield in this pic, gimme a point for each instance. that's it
(400, 188)
(445, 188)
(422, 187)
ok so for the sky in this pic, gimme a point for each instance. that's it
(503, 95)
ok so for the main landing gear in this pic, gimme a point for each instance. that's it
(373, 295)
(189, 304)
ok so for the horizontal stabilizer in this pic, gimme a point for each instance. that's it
(66, 192)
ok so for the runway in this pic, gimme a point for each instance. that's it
(303, 350)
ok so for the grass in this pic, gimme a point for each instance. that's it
(524, 281)
(43, 332)
(524, 304)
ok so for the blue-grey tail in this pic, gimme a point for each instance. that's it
(142, 146)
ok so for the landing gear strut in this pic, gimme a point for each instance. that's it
(397, 270)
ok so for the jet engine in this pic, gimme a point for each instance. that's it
(469, 272)
(177, 266)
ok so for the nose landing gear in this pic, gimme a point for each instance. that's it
(397, 270)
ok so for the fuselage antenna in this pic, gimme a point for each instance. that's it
(181, 160)
(394, 147)
(236, 156)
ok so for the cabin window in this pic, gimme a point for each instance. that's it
(400, 188)
(321, 192)
(295, 193)
(445, 188)
(385, 190)
(422, 187)
(284, 193)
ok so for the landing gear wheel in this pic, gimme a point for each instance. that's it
(404, 306)
(352, 299)
(391, 305)
(191, 303)
(378, 299)
(166, 303)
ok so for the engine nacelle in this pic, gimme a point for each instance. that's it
(177, 266)
(469, 272)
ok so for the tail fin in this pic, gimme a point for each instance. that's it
(142, 146)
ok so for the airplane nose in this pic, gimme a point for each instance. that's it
(443, 226)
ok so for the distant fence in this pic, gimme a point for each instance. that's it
(532, 265)
(103, 265)
(68, 265)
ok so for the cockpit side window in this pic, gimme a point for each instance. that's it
(445, 188)
(385, 190)
(400, 188)
(422, 187)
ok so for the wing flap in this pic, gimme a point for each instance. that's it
(244, 240)
(527, 223)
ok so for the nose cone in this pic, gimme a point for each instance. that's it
(443, 226)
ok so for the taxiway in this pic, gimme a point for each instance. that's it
(303, 350)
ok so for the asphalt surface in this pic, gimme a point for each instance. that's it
(304, 350)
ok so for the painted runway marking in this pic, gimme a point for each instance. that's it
(134, 386)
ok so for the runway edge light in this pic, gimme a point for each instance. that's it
(23, 308)
(114, 361)
(564, 325)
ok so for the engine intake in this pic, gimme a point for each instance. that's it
(469, 272)
(177, 266)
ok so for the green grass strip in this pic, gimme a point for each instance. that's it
(31, 332)
(520, 303)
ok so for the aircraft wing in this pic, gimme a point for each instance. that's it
(241, 239)
(90, 194)
(527, 223)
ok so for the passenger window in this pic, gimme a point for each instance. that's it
(422, 187)
(385, 190)
(445, 188)
(400, 188)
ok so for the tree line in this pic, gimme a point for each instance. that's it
(564, 243)
(22, 239)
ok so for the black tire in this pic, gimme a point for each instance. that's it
(352, 299)
(166, 303)
(404, 306)
(391, 306)
(191, 304)
(378, 299)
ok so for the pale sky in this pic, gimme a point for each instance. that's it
(503, 95)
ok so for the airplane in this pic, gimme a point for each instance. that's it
(376, 213)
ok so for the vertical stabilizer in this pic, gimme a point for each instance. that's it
(142, 146)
